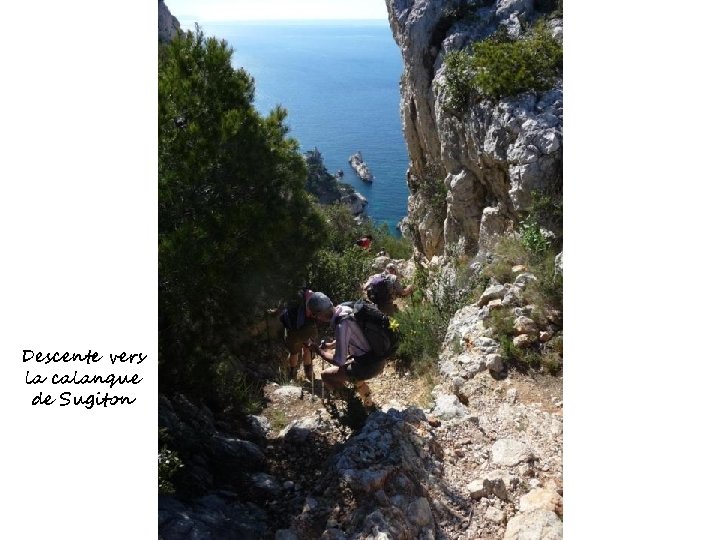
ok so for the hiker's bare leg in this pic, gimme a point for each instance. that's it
(363, 391)
(292, 362)
(307, 364)
(334, 377)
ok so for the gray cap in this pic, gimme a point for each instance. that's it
(318, 303)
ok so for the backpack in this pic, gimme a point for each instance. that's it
(293, 317)
(375, 325)
(378, 290)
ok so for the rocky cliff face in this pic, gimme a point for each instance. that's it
(491, 156)
(168, 25)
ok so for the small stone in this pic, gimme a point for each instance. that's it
(494, 363)
(509, 452)
(523, 341)
(419, 512)
(494, 304)
(541, 499)
(536, 524)
(495, 515)
(476, 489)
(545, 336)
(519, 268)
(525, 325)
(491, 293)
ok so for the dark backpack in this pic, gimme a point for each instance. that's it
(375, 325)
(293, 316)
(378, 290)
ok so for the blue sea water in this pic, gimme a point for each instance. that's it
(339, 82)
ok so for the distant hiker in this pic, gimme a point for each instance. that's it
(365, 242)
(383, 288)
(300, 330)
(363, 342)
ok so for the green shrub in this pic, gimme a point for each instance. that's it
(277, 418)
(547, 291)
(501, 319)
(169, 463)
(509, 350)
(422, 328)
(532, 237)
(234, 388)
(546, 207)
(340, 275)
(509, 252)
(552, 363)
(459, 74)
(500, 67)
(396, 247)
(343, 230)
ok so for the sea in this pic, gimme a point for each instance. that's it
(339, 82)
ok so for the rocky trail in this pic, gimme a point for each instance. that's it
(496, 462)
(471, 452)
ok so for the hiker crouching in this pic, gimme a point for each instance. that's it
(300, 330)
(350, 352)
(382, 289)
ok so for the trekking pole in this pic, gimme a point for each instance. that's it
(322, 368)
(312, 371)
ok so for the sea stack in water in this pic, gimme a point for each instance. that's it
(360, 167)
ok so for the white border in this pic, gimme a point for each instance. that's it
(78, 215)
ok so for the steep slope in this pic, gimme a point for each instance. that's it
(489, 157)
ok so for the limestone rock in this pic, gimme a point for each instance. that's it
(525, 278)
(419, 512)
(356, 202)
(299, 430)
(559, 263)
(265, 486)
(259, 424)
(545, 336)
(493, 292)
(495, 304)
(448, 406)
(541, 499)
(471, 148)
(493, 484)
(535, 525)
(287, 392)
(523, 341)
(168, 25)
(509, 452)
(495, 363)
(495, 515)
(524, 325)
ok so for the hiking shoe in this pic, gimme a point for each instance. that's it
(371, 408)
